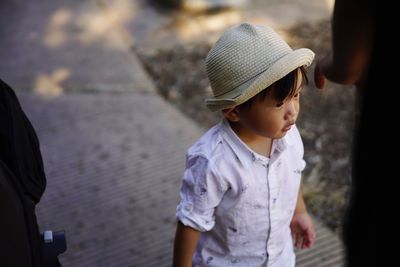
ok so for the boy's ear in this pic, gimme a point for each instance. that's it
(231, 114)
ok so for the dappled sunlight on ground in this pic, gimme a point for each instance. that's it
(87, 38)
(50, 84)
(100, 25)
(190, 27)
(55, 35)
(164, 27)
(90, 25)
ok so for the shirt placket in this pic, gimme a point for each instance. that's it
(273, 189)
(272, 193)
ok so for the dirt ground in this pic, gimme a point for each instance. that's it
(325, 122)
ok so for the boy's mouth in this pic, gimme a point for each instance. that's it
(287, 127)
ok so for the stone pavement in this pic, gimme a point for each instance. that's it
(113, 164)
(113, 149)
(53, 47)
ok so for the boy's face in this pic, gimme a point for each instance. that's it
(269, 117)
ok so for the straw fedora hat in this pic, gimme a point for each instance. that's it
(247, 59)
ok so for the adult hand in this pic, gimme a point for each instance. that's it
(324, 64)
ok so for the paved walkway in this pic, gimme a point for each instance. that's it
(113, 164)
(113, 149)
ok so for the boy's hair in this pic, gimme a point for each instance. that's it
(282, 89)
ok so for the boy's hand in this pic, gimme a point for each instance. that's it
(302, 228)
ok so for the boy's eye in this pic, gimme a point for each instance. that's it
(296, 95)
(278, 105)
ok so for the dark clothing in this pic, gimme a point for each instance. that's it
(360, 221)
(19, 145)
(22, 183)
(366, 226)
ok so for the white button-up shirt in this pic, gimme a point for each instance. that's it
(241, 201)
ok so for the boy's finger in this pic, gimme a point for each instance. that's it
(299, 241)
(310, 241)
(306, 244)
(311, 236)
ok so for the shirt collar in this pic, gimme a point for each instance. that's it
(245, 153)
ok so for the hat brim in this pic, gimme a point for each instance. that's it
(282, 67)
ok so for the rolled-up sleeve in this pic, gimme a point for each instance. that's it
(201, 191)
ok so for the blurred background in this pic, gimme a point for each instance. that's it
(115, 90)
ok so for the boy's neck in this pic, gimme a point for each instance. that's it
(259, 144)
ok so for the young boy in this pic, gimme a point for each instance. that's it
(241, 200)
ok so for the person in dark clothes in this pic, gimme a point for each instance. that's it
(22, 183)
(354, 59)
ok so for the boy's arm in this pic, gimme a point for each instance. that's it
(301, 226)
(186, 239)
(300, 205)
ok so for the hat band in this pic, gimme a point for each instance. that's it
(238, 90)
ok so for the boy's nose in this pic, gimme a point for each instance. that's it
(291, 111)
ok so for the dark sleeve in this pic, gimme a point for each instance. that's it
(19, 145)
